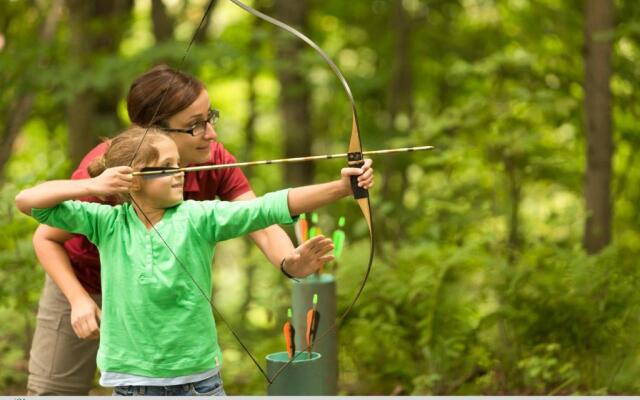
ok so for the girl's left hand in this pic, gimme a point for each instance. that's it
(364, 173)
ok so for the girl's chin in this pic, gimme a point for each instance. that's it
(173, 202)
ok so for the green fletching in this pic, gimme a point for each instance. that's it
(289, 313)
(314, 218)
(303, 216)
(315, 298)
(338, 240)
(341, 222)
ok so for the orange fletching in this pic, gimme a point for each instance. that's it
(289, 334)
(312, 327)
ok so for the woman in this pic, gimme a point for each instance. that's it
(63, 352)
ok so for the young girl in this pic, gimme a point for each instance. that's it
(158, 334)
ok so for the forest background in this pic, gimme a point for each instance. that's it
(506, 259)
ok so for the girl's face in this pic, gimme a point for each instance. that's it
(164, 191)
(194, 149)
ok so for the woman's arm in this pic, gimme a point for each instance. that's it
(272, 241)
(48, 243)
(276, 245)
(50, 194)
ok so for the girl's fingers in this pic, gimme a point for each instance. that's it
(127, 177)
(366, 175)
(350, 171)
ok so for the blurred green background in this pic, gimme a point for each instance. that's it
(487, 279)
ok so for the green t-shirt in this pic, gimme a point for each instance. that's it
(155, 321)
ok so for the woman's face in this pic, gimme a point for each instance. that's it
(194, 149)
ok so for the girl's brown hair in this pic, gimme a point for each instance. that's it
(162, 86)
(122, 148)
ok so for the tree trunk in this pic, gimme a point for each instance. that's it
(19, 111)
(252, 95)
(96, 28)
(295, 94)
(162, 22)
(400, 91)
(202, 36)
(400, 105)
(598, 123)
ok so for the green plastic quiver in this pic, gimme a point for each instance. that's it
(298, 379)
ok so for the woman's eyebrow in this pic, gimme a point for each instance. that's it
(199, 115)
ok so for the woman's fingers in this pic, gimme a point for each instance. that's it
(323, 247)
(317, 244)
(81, 329)
(326, 258)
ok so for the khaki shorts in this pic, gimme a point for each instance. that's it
(60, 363)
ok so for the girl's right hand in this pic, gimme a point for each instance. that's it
(112, 181)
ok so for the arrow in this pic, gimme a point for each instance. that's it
(313, 319)
(149, 172)
(289, 335)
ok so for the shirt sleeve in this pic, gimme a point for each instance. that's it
(221, 220)
(77, 217)
(232, 181)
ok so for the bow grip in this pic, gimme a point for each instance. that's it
(355, 160)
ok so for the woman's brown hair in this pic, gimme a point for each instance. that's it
(162, 86)
(123, 147)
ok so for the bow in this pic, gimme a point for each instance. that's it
(354, 157)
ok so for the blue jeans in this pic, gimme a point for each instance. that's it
(208, 387)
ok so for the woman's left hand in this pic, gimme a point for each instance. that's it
(309, 256)
(364, 174)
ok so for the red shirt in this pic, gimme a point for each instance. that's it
(226, 183)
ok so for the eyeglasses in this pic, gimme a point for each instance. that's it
(200, 127)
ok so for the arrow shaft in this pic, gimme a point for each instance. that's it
(281, 161)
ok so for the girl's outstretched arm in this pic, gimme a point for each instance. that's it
(307, 198)
(49, 194)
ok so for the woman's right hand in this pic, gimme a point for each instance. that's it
(85, 318)
(112, 181)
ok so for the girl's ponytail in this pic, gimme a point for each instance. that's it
(97, 166)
